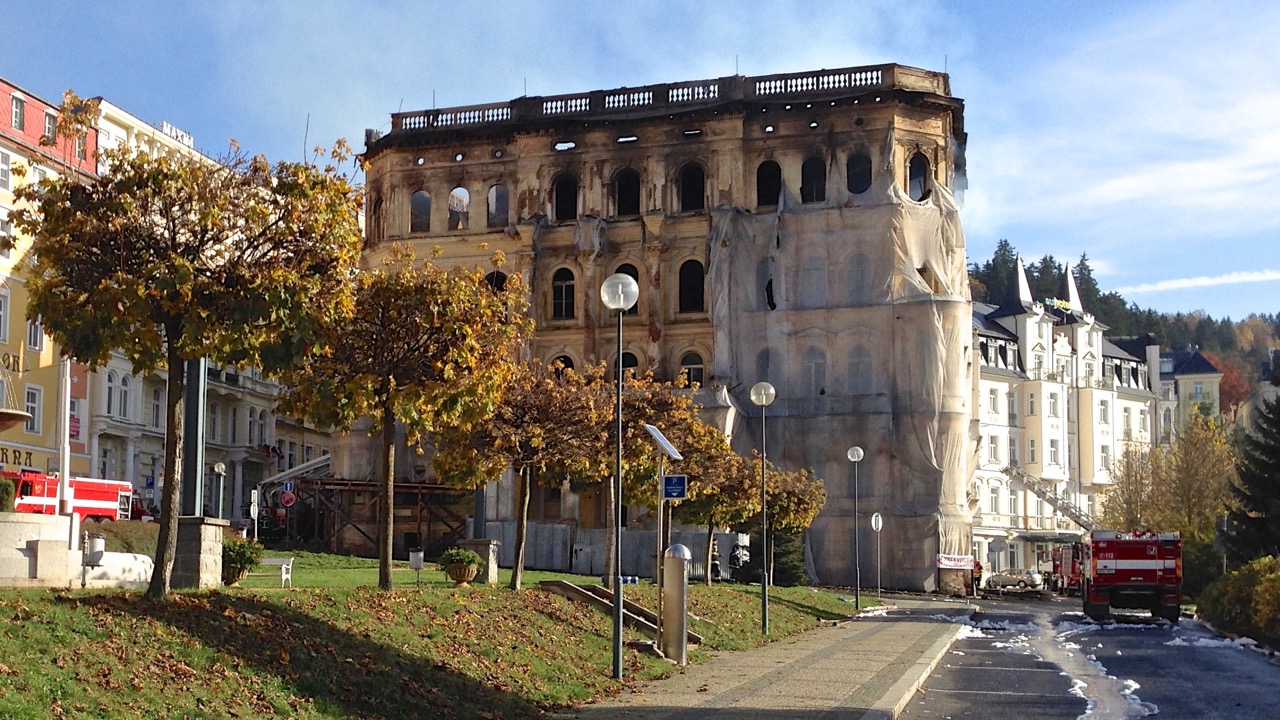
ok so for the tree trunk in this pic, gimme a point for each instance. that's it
(711, 538)
(525, 481)
(609, 533)
(387, 511)
(170, 505)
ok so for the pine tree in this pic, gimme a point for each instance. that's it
(1253, 530)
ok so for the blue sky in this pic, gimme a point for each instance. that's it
(1145, 134)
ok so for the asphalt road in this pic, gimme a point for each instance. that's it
(1038, 657)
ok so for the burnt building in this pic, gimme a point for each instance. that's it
(797, 228)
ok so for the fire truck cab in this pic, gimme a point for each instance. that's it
(1132, 570)
(91, 498)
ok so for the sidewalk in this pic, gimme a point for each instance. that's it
(867, 668)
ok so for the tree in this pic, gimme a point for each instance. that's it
(724, 489)
(547, 426)
(1193, 479)
(1127, 503)
(172, 258)
(1253, 527)
(1233, 388)
(428, 348)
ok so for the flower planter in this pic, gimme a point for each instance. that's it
(461, 574)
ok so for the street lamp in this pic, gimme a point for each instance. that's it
(618, 292)
(219, 474)
(762, 394)
(855, 457)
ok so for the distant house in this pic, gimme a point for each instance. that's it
(1188, 381)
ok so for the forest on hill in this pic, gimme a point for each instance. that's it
(1241, 349)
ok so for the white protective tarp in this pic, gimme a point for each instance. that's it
(867, 344)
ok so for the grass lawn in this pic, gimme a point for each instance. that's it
(336, 647)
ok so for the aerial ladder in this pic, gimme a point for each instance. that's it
(1047, 490)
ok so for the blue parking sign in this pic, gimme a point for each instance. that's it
(675, 487)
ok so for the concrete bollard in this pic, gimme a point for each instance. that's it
(674, 639)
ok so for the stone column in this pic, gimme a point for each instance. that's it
(198, 562)
(488, 550)
(237, 492)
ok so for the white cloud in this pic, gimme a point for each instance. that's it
(1203, 281)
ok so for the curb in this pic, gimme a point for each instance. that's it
(895, 699)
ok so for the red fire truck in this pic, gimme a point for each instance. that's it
(91, 498)
(1066, 569)
(1132, 570)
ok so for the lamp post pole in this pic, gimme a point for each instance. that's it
(762, 394)
(618, 292)
(855, 457)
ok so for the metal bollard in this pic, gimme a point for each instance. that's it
(675, 604)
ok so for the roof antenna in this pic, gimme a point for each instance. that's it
(433, 98)
(944, 64)
(526, 86)
(305, 132)
(735, 64)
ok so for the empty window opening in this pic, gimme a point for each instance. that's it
(629, 365)
(859, 370)
(562, 363)
(626, 192)
(498, 206)
(814, 372)
(694, 132)
(459, 208)
(565, 145)
(858, 171)
(693, 188)
(691, 287)
(692, 369)
(813, 283)
(420, 212)
(562, 295)
(630, 271)
(497, 280)
(762, 281)
(813, 124)
(813, 181)
(768, 183)
(566, 198)
(375, 219)
(858, 283)
(768, 128)
(768, 296)
(767, 368)
(918, 177)
(458, 157)
(627, 139)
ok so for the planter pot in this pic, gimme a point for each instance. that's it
(231, 577)
(461, 574)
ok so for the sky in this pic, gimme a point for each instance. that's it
(1143, 134)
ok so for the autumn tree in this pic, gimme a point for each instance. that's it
(1126, 503)
(1193, 479)
(723, 490)
(427, 348)
(1253, 527)
(166, 259)
(547, 426)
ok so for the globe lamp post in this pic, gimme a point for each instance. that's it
(762, 394)
(855, 457)
(619, 293)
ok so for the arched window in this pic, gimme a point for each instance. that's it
(693, 188)
(857, 284)
(213, 422)
(262, 427)
(918, 177)
(562, 294)
(497, 280)
(564, 362)
(157, 407)
(814, 372)
(111, 393)
(565, 190)
(376, 231)
(858, 171)
(253, 426)
(813, 181)
(498, 206)
(630, 270)
(768, 183)
(420, 212)
(691, 368)
(124, 397)
(459, 208)
(692, 293)
(859, 371)
(626, 192)
(813, 283)
(768, 368)
(629, 365)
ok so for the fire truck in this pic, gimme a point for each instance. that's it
(1132, 570)
(1066, 575)
(91, 498)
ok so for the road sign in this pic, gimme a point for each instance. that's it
(999, 545)
(288, 486)
(287, 499)
(253, 505)
(151, 482)
(877, 522)
(675, 487)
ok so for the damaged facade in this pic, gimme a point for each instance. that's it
(798, 228)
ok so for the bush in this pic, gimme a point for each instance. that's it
(1232, 601)
(788, 561)
(6, 494)
(1201, 565)
(238, 558)
(458, 556)
(128, 536)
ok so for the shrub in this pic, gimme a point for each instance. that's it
(6, 494)
(1266, 607)
(129, 536)
(458, 556)
(1201, 565)
(238, 558)
(1229, 601)
(788, 561)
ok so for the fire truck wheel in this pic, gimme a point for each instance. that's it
(1097, 611)
(1168, 612)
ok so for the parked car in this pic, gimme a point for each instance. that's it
(1015, 578)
